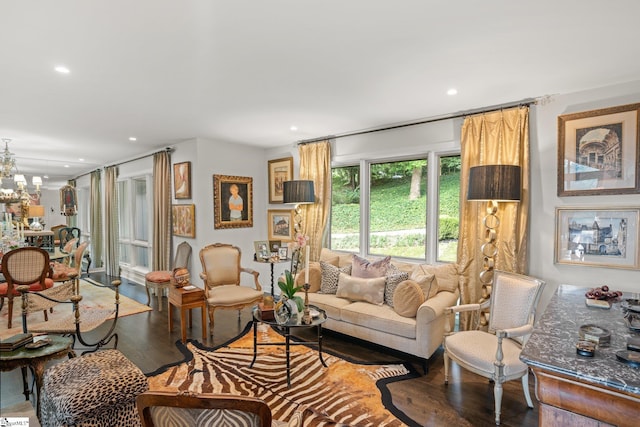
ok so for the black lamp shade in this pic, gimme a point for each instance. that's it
(300, 191)
(495, 182)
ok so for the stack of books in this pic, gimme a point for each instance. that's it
(15, 342)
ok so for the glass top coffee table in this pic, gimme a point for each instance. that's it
(318, 318)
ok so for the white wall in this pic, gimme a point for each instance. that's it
(210, 157)
(544, 199)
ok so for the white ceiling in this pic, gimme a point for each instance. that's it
(245, 71)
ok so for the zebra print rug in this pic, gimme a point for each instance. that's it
(342, 394)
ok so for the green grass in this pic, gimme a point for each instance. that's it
(393, 211)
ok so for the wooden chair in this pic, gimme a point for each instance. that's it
(56, 233)
(221, 275)
(63, 271)
(78, 321)
(159, 408)
(160, 280)
(68, 233)
(24, 266)
(495, 354)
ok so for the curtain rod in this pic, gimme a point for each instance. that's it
(168, 150)
(458, 115)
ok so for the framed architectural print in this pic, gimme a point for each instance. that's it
(598, 237)
(280, 170)
(280, 224)
(599, 152)
(184, 220)
(232, 201)
(182, 180)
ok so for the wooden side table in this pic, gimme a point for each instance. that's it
(185, 300)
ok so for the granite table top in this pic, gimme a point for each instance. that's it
(552, 345)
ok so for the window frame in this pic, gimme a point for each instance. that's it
(432, 200)
(132, 264)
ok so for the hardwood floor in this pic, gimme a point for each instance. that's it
(467, 400)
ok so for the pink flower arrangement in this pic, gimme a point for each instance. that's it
(301, 240)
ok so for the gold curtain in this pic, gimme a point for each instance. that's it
(161, 211)
(315, 165)
(500, 137)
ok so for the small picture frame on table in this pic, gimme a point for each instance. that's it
(283, 253)
(262, 250)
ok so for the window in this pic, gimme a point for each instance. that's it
(407, 208)
(134, 228)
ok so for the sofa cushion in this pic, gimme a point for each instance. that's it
(330, 275)
(315, 276)
(394, 277)
(426, 281)
(331, 304)
(379, 318)
(407, 298)
(446, 275)
(362, 267)
(360, 289)
(329, 256)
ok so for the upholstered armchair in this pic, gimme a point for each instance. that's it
(221, 275)
(158, 280)
(163, 409)
(494, 354)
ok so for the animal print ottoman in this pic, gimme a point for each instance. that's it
(94, 390)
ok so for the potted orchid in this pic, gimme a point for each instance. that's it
(290, 305)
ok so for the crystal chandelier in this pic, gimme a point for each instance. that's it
(7, 161)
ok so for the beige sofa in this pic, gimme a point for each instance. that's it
(419, 335)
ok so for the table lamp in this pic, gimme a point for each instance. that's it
(36, 212)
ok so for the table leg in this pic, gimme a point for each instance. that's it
(255, 343)
(320, 345)
(170, 314)
(183, 324)
(190, 319)
(203, 311)
(287, 335)
(271, 279)
(25, 382)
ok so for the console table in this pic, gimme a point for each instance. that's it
(41, 239)
(577, 390)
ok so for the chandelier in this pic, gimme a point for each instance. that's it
(9, 170)
(7, 161)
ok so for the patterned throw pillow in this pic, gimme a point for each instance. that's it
(366, 269)
(393, 280)
(330, 276)
(359, 289)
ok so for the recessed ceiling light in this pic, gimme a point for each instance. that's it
(133, 138)
(452, 92)
(66, 166)
(81, 160)
(293, 128)
(45, 176)
(62, 69)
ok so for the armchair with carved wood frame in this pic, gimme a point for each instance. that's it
(221, 271)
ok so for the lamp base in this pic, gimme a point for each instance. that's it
(36, 226)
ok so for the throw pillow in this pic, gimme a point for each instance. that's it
(393, 280)
(329, 277)
(426, 281)
(366, 269)
(315, 277)
(446, 275)
(407, 298)
(361, 289)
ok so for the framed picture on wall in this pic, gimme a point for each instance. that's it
(232, 201)
(182, 180)
(599, 152)
(280, 170)
(184, 220)
(598, 237)
(280, 224)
